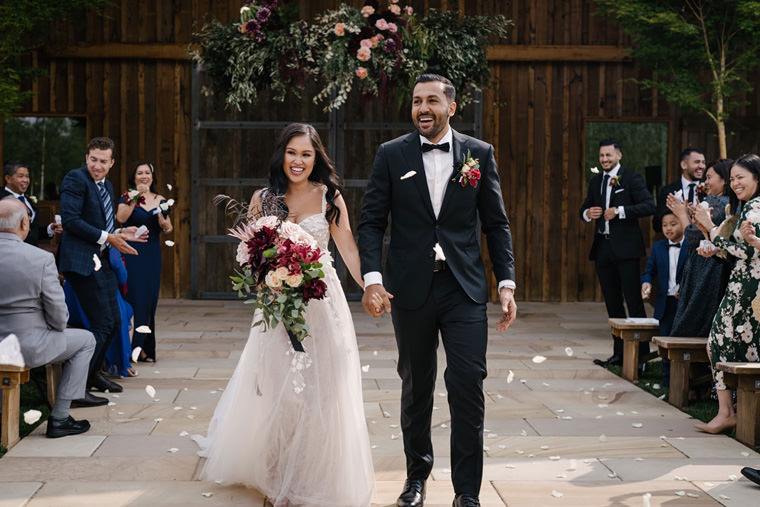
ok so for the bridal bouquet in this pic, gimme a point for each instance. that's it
(283, 265)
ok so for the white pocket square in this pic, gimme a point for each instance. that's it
(408, 175)
(618, 191)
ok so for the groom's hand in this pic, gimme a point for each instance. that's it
(376, 300)
(508, 308)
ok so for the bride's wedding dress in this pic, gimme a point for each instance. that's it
(291, 424)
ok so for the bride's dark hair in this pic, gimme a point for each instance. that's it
(324, 171)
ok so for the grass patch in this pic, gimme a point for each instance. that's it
(653, 382)
(32, 398)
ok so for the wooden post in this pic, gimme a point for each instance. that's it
(11, 379)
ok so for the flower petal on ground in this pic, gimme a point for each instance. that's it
(538, 359)
(150, 390)
(32, 416)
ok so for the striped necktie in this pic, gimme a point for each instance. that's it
(107, 206)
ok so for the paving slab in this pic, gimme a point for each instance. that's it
(17, 494)
(40, 446)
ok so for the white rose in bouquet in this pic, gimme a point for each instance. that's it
(242, 253)
(268, 221)
(297, 235)
(272, 280)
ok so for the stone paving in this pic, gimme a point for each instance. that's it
(558, 432)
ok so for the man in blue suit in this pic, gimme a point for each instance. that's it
(87, 211)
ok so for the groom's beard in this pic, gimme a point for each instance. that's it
(436, 128)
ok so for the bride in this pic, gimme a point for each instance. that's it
(291, 424)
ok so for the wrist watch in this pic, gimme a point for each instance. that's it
(616, 210)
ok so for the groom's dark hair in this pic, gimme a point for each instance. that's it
(448, 86)
(610, 142)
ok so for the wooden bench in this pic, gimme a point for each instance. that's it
(11, 379)
(632, 333)
(682, 352)
(745, 378)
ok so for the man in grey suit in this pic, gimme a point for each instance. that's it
(33, 307)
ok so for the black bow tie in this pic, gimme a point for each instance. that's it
(675, 245)
(427, 147)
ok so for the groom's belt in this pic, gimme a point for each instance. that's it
(439, 266)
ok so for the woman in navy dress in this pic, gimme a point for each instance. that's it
(141, 205)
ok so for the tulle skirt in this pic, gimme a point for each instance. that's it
(291, 424)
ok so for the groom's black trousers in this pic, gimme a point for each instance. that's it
(464, 334)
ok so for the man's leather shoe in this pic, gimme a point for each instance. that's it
(612, 360)
(466, 501)
(89, 400)
(102, 384)
(752, 474)
(413, 495)
(60, 428)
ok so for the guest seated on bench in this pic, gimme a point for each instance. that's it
(32, 307)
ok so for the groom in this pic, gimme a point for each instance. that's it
(427, 182)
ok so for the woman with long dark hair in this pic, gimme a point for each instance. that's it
(144, 269)
(291, 424)
(735, 333)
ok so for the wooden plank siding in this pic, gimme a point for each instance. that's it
(128, 72)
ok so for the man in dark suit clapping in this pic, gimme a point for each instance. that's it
(88, 211)
(692, 162)
(16, 175)
(615, 201)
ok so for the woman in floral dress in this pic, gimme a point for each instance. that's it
(735, 333)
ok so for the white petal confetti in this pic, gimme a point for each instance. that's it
(32, 416)
(538, 359)
(619, 413)
(173, 449)
(510, 377)
(612, 475)
(143, 329)
(158, 419)
(524, 433)
(169, 242)
(111, 404)
(655, 386)
(150, 390)
(554, 458)
(745, 453)
(207, 494)
(561, 476)
(732, 478)
(116, 395)
(523, 381)
(569, 352)
(169, 186)
(692, 495)
(394, 437)
(136, 354)
(519, 451)
(645, 500)
(374, 352)
(572, 466)
(444, 426)
(602, 405)
(637, 425)
(708, 484)
(544, 447)
(193, 408)
(184, 434)
(681, 493)
(510, 467)
(723, 497)
(557, 494)
(602, 437)
(365, 368)
(177, 408)
(96, 261)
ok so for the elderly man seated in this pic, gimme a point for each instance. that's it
(32, 307)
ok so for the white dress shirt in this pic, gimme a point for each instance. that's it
(673, 254)
(439, 168)
(685, 189)
(620, 209)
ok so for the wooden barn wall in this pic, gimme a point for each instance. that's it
(136, 89)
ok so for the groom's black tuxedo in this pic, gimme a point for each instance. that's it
(449, 301)
(415, 228)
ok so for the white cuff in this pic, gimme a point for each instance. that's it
(373, 278)
(585, 215)
(103, 238)
(621, 212)
(509, 284)
(50, 231)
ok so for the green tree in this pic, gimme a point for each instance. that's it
(23, 27)
(699, 51)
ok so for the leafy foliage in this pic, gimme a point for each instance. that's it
(699, 50)
(370, 50)
(23, 26)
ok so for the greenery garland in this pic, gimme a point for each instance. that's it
(371, 49)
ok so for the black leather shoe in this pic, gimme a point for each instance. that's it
(752, 474)
(102, 384)
(60, 428)
(413, 495)
(89, 400)
(612, 360)
(466, 501)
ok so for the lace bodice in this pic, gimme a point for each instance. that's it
(317, 225)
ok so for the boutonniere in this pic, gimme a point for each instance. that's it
(33, 199)
(615, 181)
(469, 173)
(701, 190)
(133, 196)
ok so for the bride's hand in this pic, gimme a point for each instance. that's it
(376, 300)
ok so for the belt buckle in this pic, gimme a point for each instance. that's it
(439, 265)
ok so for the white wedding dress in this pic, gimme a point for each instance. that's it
(291, 424)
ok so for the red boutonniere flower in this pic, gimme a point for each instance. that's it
(469, 174)
(615, 181)
(702, 190)
(133, 196)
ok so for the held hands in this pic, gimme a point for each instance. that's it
(646, 290)
(508, 308)
(376, 300)
(119, 240)
(594, 212)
